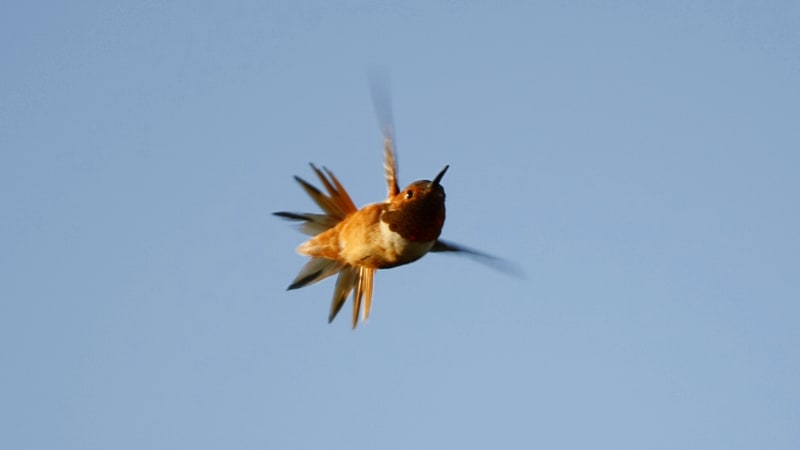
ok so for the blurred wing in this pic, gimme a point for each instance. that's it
(494, 262)
(390, 165)
(382, 102)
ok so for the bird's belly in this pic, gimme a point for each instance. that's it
(382, 248)
(402, 250)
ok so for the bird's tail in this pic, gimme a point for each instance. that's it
(358, 280)
(336, 205)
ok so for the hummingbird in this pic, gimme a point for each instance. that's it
(354, 243)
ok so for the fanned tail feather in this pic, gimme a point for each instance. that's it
(313, 224)
(359, 281)
(315, 270)
(338, 194)
(336, 205)
(367, 275)
(348, 278)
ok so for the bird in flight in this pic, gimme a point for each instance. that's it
(354, 243)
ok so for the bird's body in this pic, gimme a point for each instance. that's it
(354, 243)
(363, 239)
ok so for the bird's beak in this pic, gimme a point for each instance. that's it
(438, 178)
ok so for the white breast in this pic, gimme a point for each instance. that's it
(402, 250)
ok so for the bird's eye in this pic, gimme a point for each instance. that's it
(409, 194)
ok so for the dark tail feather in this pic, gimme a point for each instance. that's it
(359, 281)
(315, 270)
(313, 224)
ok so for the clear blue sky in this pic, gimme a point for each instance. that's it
(638, 159)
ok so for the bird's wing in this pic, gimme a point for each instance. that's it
(390, 164)
(382, 101)
(492, 261)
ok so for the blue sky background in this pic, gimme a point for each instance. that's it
(638, 159)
